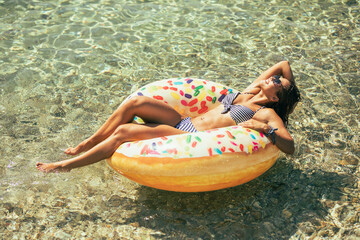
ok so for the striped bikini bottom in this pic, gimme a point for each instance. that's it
(186, 125)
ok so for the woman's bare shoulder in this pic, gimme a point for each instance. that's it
(266, 115)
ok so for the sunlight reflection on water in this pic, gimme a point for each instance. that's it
(66, 65)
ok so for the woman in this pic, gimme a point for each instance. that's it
(264, 106)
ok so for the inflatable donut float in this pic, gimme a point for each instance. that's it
(194, 162)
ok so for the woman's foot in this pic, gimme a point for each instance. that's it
(51, 167)
(82, 147)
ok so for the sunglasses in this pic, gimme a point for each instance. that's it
(276, 80)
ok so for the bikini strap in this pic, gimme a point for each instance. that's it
(259, 109)
(248, 93)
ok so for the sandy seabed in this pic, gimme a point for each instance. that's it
(66, 65)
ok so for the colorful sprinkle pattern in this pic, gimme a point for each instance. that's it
(192, 97)
(200, 144)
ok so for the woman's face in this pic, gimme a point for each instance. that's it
(273, 85)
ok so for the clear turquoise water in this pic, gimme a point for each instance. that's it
(65, 65)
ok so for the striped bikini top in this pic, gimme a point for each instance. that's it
(238, 113)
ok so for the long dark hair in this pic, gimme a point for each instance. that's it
(288, 98)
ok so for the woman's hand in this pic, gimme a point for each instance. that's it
(256, 125)
(283, 139)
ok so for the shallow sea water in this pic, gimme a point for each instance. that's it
(66, 65)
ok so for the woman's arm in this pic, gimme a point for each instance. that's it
(282, 68)
(283, 139)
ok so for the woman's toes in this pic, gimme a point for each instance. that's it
(40, 167)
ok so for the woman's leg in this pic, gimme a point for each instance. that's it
(150, 110)
(123, 133)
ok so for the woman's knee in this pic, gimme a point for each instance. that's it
(137, 101)
(121, 132)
